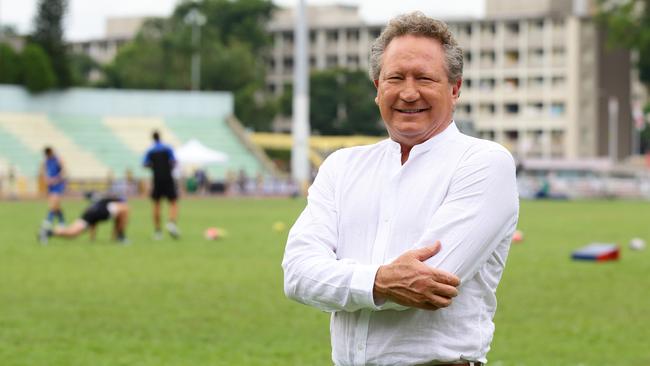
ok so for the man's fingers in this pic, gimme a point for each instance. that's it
(439, 301)
(446, 278)
(422, 254)
(444, 290)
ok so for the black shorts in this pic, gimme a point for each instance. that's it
(96, 213)
(165, 189)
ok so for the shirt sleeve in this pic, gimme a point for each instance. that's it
(479, 212)
(313, 275)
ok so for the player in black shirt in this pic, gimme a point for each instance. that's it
(100, 209)
(160, 158)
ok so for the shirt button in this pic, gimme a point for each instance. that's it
(360, 347)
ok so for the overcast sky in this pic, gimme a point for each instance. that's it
(86, 18)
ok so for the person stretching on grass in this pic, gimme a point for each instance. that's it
(100, 209)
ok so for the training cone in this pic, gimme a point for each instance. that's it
(214, 233)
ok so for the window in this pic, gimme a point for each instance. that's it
(331, 61)
(534, 109)
(487, 134)
(511, 83)
(512, 28)
(512, 58)
(489, 28)
(487, 109)
(487, 84)
(511, 108)
(557, 109)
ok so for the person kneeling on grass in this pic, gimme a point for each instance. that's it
(100, 209)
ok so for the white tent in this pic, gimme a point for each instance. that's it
(194, 153)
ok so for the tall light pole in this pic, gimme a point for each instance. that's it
(300, 126)
(196, 20)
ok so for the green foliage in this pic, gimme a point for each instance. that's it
(235, 21)
(10, 69)
(38, 74)
(197, 302)
(154, 60)
(81, 67)
(48, 33)
(255, 108)
(628, 25)
(231, 41)
(341, 102)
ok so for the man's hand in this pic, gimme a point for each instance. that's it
(409, 282)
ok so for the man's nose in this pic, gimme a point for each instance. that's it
(410, 92)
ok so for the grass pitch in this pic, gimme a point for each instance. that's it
(197, 302)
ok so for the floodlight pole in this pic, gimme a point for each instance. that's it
(300, 127)
(196, 20)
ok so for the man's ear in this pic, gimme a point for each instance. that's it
(376, 82)
(455, 88)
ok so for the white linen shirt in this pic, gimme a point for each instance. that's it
(365, 209)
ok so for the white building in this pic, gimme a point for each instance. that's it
(538, 76)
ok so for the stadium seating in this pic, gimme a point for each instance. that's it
(112, 150)
(94, 148)
(36, 131)
(103, 133)
(216, 135)
(14, 152)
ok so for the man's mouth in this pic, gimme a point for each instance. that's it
(411, 110)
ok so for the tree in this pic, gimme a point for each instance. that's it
(38, 74)
(81, 68)
(48, 33)
(231, 42)
(341, 102)
(10, 69)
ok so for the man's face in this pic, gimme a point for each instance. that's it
(415, 98)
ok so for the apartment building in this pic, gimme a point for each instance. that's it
(538, 77)
(119, 31)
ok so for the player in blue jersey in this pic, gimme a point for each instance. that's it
(54, 179)
(160, 159)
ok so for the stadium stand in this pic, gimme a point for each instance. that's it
(112, 150)
(103, 133)
(15, 152)
(36, 131)
(216, 135)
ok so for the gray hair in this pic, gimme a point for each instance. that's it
(418, 24)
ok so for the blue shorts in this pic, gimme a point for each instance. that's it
(58, 188)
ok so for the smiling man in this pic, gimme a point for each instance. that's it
(405, 241)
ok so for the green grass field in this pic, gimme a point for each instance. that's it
(195, 302)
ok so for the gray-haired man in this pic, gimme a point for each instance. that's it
(405, 241)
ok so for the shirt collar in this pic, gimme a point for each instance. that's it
(437, 139)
